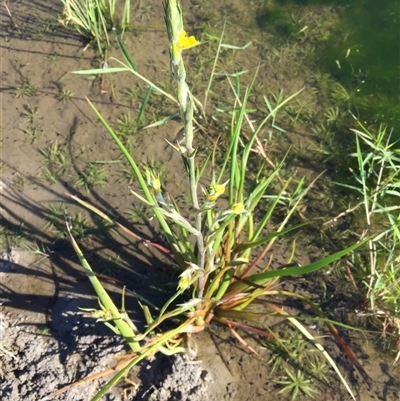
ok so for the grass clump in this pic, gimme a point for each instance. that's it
(55, 216)
(93, 19)
(25, 89)
(92, 176)
(375, 180)
(33, 133)
(219, 249)
(55, 162)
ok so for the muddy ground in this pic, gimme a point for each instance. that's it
(46, 342)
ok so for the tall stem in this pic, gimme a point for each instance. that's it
(178, 42)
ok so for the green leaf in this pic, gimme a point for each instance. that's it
(101, 71)
(247, 245)
(261, 278)
(124, 51)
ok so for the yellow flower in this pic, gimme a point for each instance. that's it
(213, 192)
(152, 181)
(237, 208)
(156, 184)
(185, 42)
(188, 276)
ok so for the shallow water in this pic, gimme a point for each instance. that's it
(362, 53)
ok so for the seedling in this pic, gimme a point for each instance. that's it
(112, 266)
(343, 96)
(30, 112)
(142, 12)
(287, 350)
(56, 163)
(126, 125)
(25, 89)
(296, 383)
(34, 133)
(19, 180)
(55, 155)
(54, 217)
(128, 175)
(79, 225)
(65, 95)
(55, 221)
(14, 237)
(130, 94)
(319, 369)
(91, 177)
(332, 114)
(138, 213)
(53, 58)
(51, 176)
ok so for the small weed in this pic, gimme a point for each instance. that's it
(130, 94)
(295, 384)
(157, 167)
(78, 150)
(54, 217)
(44, 331)
(25, 89)
(55, 221)
(80, 225)
(303, 150)
(302, 109)
(52, 58)
(332, 114)
(34, 133)
(292, 349)
(319, 129)
(37, 249)
(126, 125)
(319, 369)
(65, 95)
(12, 237)
(29, 113)
(45, 27)
(151, 64)
(138, 212)
(105, 227)
(323, 85)
(92, 176)
(130, 146)
(143, 12)
(55, 156)
(19, 180)
(51, 176)
(128, 175)
(111, 266)
(341, 95)
(279, 355)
